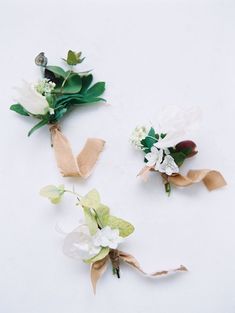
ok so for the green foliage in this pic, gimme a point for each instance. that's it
(102, 215)
(179, 157)
(125, 228)
(91, 199)
(74, 58)
(149, 140)
(73, 84)
(43, 122)
(102, 254)
(57, 71)
(18, 108)
(90, 220)
(72, 89)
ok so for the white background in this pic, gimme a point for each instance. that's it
(151, 54)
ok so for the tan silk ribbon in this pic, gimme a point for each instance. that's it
(68, 164)
(99, 267)
(212, 179)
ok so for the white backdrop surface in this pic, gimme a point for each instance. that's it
(151, 54)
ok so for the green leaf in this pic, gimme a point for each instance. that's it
(38, 125)
(86, 82)
(103, 215)
(74, 58)
(18, 108)
(57, 71)
(53, 193)
(91, 200)
(102, 254)
(125, 228)
(179, 157)
(148, 142)
(96, 90)
(73, 84)
(90, 220)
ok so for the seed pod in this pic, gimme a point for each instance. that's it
(41, 59)
(188, 147)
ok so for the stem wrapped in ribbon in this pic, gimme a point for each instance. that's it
(51, 98)
(96, 240)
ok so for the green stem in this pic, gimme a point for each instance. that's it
(66, 78)
(168, 188)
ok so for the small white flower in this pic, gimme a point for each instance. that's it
(79, 244)
(32, 100)
(44, 86)
(154, 158)
(139, 133)
(168, 166)
(107, 237)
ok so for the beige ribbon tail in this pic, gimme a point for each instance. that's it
(97, 270)
(69, 165)
(129, 259)
(212, 179)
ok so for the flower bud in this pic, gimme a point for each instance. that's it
(188, 147)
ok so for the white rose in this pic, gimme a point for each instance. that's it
(32, 100)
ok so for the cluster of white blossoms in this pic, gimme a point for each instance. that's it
(139, 133)
(80, 244)
(156, 159)
(44, 86)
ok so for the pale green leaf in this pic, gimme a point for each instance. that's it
(103, 215)
(90, 221)
(91, 200)
(125, 228)
(53, 193)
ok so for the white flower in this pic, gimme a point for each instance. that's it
(154, 158)
(168, 166)
(176, 122)
(79, 244)
(32, 100)
(139, 133)
(107, 237)
(44, 86)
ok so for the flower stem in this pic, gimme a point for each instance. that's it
(168, 188)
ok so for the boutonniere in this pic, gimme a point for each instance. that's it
(166, 151)
(96, 241)
(58, 92)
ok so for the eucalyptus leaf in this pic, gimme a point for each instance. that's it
(57, 71)
(18, 108)
(73, 84)
(90, 220)
(125, 228)
(102, 254)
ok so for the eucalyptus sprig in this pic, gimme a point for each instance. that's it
(60, 90)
